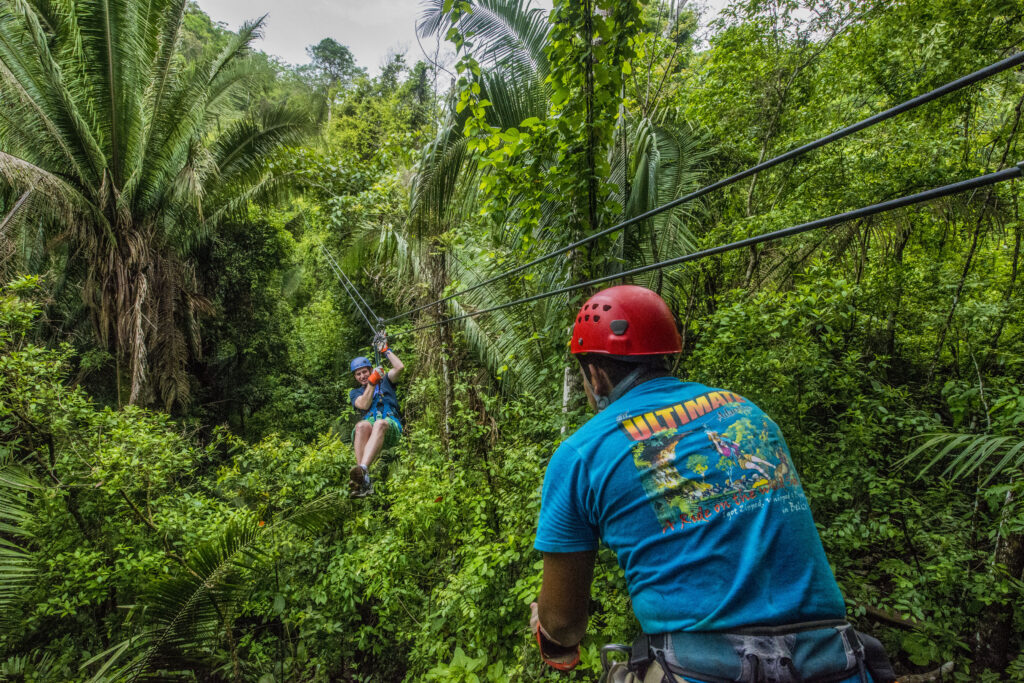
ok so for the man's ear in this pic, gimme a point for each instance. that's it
(599, 380)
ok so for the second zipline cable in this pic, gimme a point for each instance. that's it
(350, 289)
(952, 86)
(952, 188)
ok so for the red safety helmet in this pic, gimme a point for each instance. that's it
(625, 320)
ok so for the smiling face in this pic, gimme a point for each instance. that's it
(362, 374)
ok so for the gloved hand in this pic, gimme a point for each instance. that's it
(554, 654)
(376, 376)
(380, 342)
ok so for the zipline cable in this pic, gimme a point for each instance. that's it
(351, 286)
(953, 188)
(347, 284)
(952, 86)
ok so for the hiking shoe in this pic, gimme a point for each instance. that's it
(365, 489)
(356, 476)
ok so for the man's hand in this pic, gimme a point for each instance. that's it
(375, 376)
(554, 654)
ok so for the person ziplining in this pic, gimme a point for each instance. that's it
(376, 401)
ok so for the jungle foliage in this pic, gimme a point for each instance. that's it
(174, 347)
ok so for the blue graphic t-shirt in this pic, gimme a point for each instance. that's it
(694, 490)
(384, 401)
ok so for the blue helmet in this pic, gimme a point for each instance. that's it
(359, 362)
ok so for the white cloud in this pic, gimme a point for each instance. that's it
(371, 30)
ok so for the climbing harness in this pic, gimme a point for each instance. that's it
(814, 652)
(913, 103)
(945, 190)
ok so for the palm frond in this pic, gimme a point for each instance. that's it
(237, 46)
(444, 188)
(50, 196)
(48, 118)
(241, 152)
(192, 610)
(967, 453)
(509, 34)
(17, 567)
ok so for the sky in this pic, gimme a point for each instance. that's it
(372, 30)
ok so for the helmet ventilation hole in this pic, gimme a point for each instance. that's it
(607, 307)
(597, 318)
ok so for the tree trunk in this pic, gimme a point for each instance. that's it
(968, 262)
(438, 277)
(571, 387)
(1012, 285)
(890, 322)
(995, 632)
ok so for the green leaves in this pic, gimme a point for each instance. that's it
(969, 452)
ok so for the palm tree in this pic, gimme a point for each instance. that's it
(187, 619)
(129, 157)
(659, 161)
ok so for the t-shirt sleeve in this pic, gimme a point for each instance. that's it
(564, 526)
(353, 394)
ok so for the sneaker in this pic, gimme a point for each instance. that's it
(356, 475)
(365, 489)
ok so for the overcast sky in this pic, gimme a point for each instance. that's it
(371, 30)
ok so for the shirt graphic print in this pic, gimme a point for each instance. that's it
(692, 473)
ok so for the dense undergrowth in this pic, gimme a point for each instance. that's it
(216, 542)
(430, 579)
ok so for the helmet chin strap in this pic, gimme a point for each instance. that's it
(602, 402)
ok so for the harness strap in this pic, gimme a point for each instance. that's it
(760, 660)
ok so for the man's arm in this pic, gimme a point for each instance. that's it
(363, 401)
(565, 594)
(396, 366)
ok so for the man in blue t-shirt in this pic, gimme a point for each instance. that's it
(694, 489)
(377, 404)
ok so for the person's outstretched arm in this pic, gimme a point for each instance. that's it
(396, 365)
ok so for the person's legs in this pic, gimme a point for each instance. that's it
(373, 444)
(360, 435)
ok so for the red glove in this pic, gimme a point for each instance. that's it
(376, 376)
(554, 654)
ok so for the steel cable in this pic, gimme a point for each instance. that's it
(945, 190)
(347, 284)
(952, 86)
